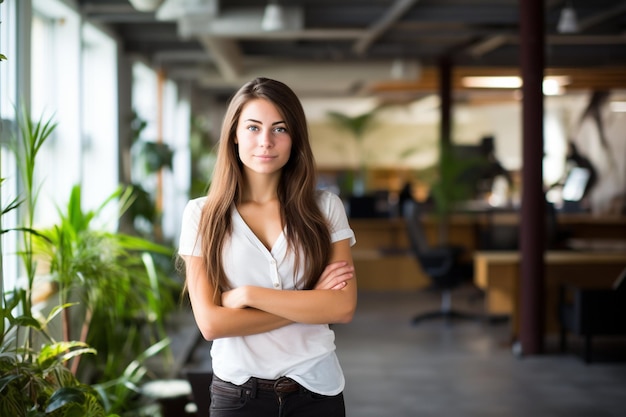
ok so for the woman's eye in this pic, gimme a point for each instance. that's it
(280, 129)
(253, 128)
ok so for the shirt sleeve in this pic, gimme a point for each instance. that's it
(190, 243)
(335, 212)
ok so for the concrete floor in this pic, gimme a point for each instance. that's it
(466, 368)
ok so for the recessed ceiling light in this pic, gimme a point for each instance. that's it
(552, 85)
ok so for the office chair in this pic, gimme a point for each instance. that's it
(439, 263)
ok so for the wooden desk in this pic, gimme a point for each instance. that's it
(384, 263)
(498, 274)
(382, 258)
(383, 272)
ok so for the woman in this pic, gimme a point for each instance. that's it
(268, 264)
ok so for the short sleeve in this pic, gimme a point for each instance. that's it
(190, 243)
(335, 212)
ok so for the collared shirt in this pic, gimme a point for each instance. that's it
(303, 352)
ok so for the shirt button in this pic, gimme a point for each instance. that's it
(276, 285)
(273, 261)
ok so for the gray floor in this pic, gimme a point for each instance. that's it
(396, 369)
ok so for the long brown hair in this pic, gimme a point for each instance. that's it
(306, 229)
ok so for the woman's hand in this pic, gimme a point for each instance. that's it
(235, 298)
(335, 276)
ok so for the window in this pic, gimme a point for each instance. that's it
(8, 100)
(166, 110)
(74, 79)
(99, 145)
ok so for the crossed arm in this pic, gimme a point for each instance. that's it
(251, 310)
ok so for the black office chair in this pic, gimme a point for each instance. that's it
(441, 264)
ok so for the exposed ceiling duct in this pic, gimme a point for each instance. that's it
(220, 30)
(320, 79)
(360, 40)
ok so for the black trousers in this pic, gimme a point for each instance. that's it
(254, 399)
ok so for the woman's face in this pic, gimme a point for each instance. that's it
(264, 144)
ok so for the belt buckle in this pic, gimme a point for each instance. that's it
(284, 384)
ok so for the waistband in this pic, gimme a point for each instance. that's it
(281, 385)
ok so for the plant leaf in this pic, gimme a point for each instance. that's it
(63, 396)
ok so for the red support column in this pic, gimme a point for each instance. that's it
(532, 240)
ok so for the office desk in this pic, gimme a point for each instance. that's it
(382, 257)
(498, 274)
(382, 253)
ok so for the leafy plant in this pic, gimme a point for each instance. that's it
(156, 156)
(102, 277)
(36, 382)
(449, 188)
(149, 158)
(357, 126)
(113, 277)
(32, 136)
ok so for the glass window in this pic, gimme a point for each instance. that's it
(55, 70)
(74, 81)
(165, 108)
(8, 100)
(99, 144)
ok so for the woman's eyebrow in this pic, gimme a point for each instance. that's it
(259, 122)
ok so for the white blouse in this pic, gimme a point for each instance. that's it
(303, 352)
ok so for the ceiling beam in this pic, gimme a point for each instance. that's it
(601, 17)
(488, 44)
(227, 55)
(395, 12)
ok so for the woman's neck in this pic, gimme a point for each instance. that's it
(260, 188)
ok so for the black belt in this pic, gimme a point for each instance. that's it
(282, 385)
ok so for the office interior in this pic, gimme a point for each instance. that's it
(134, 91)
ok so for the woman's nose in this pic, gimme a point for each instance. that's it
(266, 139)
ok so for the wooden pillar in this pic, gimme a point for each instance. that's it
(532, 240)
(158, 229)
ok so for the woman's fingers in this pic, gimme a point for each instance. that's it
(335, 276)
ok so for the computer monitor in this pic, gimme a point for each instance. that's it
(575, 184)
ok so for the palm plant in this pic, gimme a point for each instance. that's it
(449, 188)
(35, 382)
(114, 279)
(102, 277)
(33, 135)
(357, 126)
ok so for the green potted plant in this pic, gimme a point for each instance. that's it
(114, 279)
(357, 126)
(35, 381)
(447, 188)
(107, 278)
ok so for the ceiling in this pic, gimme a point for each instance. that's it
(356, 47)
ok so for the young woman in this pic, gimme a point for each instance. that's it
(268, 264)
